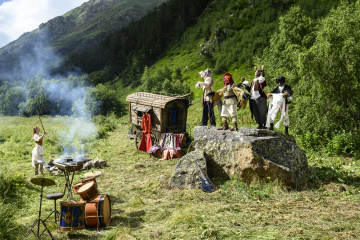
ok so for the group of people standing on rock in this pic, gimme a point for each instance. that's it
(279, 98)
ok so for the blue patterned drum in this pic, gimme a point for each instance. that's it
(72, 215)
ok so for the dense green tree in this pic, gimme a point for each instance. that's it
(10, 98)
(295, 35)
(38, 104)
(329, 74)
(166, 86)
(320, 60)
(10, 103)
(163, 73)
(103, 100)
(147, 82)
(164, 81)
(102, 76)
(177, 75)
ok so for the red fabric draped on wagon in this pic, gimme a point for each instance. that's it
(145, 143)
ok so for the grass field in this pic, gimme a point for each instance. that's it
(144, 207)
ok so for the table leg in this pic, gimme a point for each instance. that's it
(68, 184)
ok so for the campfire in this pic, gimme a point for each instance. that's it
(79, 162)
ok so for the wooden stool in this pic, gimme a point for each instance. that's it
(54, 196)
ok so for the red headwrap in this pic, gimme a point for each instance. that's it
(228, 79)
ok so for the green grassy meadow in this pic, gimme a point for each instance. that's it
(144, 207)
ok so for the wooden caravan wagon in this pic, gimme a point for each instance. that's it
(168, 114)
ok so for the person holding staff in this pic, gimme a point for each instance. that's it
(38, 160)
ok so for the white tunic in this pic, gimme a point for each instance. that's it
(38, 152)
(276, 102)
(255, 93)
(207, 87)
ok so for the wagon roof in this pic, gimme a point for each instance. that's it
(153, 100)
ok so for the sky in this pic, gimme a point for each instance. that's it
(21, 16)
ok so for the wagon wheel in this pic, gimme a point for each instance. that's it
(138, 140)
(153, 139)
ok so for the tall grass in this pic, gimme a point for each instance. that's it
(9, 229)
(9, 205)
(144, 207)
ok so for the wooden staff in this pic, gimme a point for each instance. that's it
(41, 122)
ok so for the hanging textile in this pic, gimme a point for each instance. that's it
(170, 146)
(276, 102)
(168, 154)
(179, 139)
(169, 141)
(146, 126)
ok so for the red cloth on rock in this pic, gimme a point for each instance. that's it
(146, 126)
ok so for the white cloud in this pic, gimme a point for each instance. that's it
(20, 16)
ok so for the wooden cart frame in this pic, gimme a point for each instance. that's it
(168, 114)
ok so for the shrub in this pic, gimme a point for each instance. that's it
(8, 228)
(319, 58)
(344, 143)
(9, 184)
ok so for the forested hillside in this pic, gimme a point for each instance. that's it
(128, 51)
(75, 31)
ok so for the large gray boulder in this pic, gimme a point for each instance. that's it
(252, 154)
(187, 171)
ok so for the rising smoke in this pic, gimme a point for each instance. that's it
(68, 93)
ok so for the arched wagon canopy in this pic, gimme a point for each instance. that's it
(153, 100)
(168, 114)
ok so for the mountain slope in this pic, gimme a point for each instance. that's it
(76, 30)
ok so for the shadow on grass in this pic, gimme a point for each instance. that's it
(77, 235)
(316, 177)
(117, 211)
(132, 220)
(324, 175)
(115, 199)
(14, 194)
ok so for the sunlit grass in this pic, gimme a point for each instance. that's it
(144, 207)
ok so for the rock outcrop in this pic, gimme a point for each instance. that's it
(187, 173)
(252, 154)
(249, 154)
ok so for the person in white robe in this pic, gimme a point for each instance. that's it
(280, 97)
(38, 160)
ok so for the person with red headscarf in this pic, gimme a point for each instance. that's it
(231, 94)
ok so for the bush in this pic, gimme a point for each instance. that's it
(345, 143)
(10, 184)
(8, 228)
(319, 58)
(105, 124)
